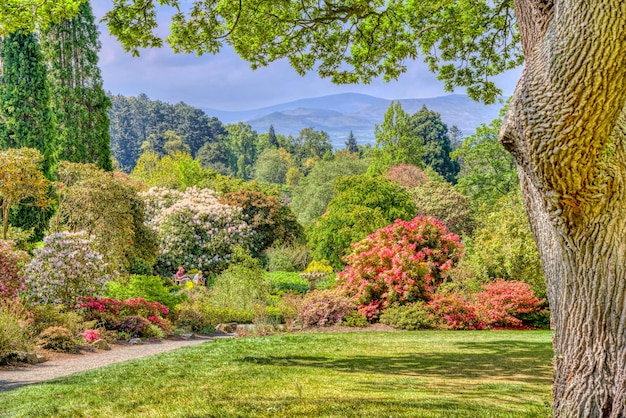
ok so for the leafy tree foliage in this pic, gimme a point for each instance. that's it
(395, 143)
(435, 197)
(313, 192)
(293, 177)
(488, 171)
(108, 208)
(78, 99)
(456, 137)
(242, 140)
(272, 166)
(427, 126)
(272, 221)
(216, 156)
(21, 179)
(33, 14)
(310, 145)
(177, 171)
(362, 205)
(25, 113)
(336, 38)
(271, 138)
(174, 143)
(503, 246)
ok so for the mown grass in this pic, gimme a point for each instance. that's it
(361, 374)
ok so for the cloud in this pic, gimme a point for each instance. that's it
(226, 82)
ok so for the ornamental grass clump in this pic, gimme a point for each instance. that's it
(195, 230)
(13, 329)
(401, 263)
(64, 270)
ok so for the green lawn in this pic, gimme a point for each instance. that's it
(363, 374)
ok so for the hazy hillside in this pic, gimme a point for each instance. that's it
(341, 113)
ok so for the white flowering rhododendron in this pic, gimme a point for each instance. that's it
(64, 270)
(195, 230)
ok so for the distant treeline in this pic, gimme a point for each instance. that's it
(140, 125)
(137, 121)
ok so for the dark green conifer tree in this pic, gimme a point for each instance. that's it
(351, 144)
(271, 137)
(27, 120)
(429, 128)
(78, 100)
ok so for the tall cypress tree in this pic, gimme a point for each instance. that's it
(25, 113)
(351, 144)
(79, 101)
(271, 137)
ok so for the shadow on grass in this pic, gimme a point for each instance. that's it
(525, 361)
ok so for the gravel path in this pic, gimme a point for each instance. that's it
(14, 377)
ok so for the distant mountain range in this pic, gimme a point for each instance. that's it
(339, 114)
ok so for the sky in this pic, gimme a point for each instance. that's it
(226, 82)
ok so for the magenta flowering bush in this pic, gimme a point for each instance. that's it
(134, 326)
(195, 230)
(65, 269)
(11, 266)
(111, 313)
(401, 263)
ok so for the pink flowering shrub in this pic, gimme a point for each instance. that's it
(91, 335)
(65, 269)
(195, 230)
(501, 303)
(11, 266)
(456, 311)
(324, 308)
(400, 263)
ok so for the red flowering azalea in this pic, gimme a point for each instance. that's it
(400, 263)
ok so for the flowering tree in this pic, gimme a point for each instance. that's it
(195, 230)
(400, 263)
(65, 269)
(11, 260)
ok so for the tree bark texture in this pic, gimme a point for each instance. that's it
(566, 126)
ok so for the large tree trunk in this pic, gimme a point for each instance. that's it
(566, 126)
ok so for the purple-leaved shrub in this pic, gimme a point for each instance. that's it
(11, 265)
(325, 308)
(65, 269)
